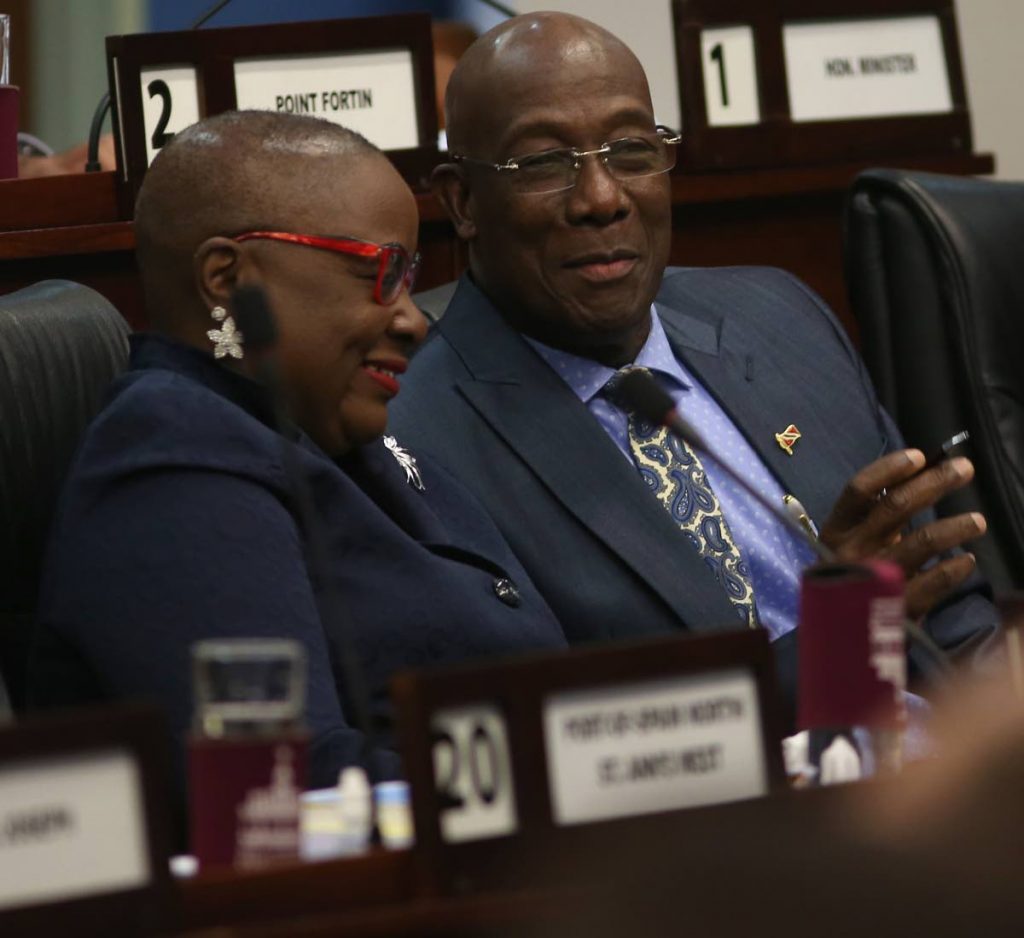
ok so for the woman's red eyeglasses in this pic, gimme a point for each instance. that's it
(396, 270)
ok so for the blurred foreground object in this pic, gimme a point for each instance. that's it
(8, 106)
(32, 166)
(247, 752)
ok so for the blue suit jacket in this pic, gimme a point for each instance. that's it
(176, 524)
(604, 554)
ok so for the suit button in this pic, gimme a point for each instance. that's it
(507, 592)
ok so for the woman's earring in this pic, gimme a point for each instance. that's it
(227, 340)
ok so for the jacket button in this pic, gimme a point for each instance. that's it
(507, 592)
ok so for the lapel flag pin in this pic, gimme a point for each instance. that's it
(787, 439)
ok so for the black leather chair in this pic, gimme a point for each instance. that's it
(61, 344)
(935, 269)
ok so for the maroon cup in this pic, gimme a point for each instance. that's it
(244, 808)
(851, 641)
(8, 131)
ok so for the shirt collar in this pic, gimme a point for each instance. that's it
(586, 377)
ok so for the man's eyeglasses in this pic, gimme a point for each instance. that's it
(626, 159)
(396, 270)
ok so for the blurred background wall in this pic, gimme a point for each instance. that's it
(66, 71)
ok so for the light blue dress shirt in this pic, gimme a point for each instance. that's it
(775, 555)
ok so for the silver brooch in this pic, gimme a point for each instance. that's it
(227, 340)
(407, 462)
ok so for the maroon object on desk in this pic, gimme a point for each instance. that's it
(852, 664)
(8, 131)
(244, 799)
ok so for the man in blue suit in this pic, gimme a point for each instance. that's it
(558, 185)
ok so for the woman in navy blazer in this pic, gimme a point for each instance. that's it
(178, 520)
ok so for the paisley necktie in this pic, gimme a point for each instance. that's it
(675, 476)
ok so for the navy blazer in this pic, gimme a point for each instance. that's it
(176, 524)
(603, 553)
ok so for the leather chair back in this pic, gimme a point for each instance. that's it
(935, 268)
(61, 344)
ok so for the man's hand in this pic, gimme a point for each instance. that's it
(876, 506)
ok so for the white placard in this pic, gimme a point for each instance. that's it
(473, 773)
(730, 76)
(170, 102)
(71, 827)
(373, 93)
(866, 68)
(657, 746)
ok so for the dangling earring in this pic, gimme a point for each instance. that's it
(227, 340)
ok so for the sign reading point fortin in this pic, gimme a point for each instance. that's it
(656, 746)
(370, 92)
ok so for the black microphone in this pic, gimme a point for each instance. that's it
(209, 14)
(92, 157)
(500, 7)
(258, 325)
(639, 393)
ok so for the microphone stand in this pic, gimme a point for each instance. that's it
(256, 322)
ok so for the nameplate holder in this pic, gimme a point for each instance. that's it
(516, 762)
(374, 75)
(83, 827)
(800, 82)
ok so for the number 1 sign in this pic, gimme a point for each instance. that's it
(730, 76)
(815, 81)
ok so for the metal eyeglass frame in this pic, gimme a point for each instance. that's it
(355, 247)
(667, 134)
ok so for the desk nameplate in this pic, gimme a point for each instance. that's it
(799, 82)
(83, 824)
(500, 777)
(375, 74)
(373, 93)
(679, 742)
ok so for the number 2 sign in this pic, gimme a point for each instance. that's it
(170, 102)
(730, 76)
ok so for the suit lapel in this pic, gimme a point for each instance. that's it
(378, 474)
(545, 424)
(759, 397)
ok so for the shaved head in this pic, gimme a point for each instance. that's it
(237, 171)
(495, 66)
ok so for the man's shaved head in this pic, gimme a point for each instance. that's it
(494, 65)
(237, 171)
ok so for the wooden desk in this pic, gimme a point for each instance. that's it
(791, 864)
(68, 227)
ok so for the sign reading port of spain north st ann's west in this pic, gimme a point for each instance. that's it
(371, 92)
(853, 69)
(654, 746)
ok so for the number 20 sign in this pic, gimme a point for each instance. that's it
(730, 76)
(473, 773)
